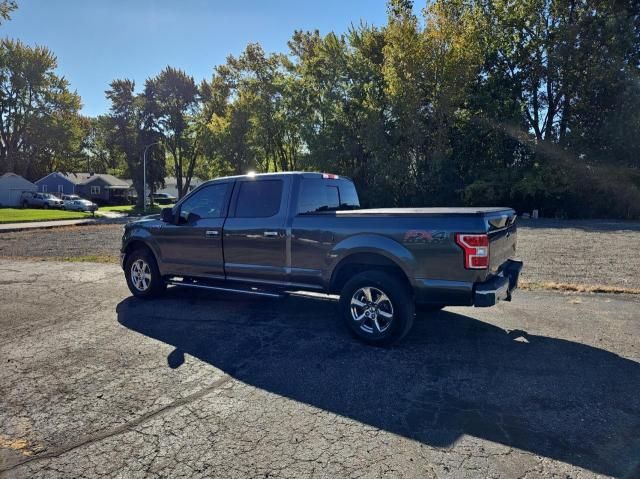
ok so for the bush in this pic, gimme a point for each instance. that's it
(563, 190)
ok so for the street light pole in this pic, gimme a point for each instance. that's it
(144, 175)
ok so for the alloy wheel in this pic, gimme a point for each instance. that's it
(372, 309)
(140, 275)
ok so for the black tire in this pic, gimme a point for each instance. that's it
(25, 204)
(371, 329)
(429, 308)
(155, 286)
(45, 206)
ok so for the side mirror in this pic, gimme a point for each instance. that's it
(167, 215)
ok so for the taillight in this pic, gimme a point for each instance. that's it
(476, 250)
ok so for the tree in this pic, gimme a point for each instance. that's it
(40, 126)
(568, 61)
(264, 101)
(6, 8)
(130, 134)
(470, 102)
(101, 154)
(226, 129)
(172, 105)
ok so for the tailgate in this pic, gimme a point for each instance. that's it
(502, 231)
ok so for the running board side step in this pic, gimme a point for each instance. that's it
(226, 290)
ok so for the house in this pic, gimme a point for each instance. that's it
(104, 189)
(171, 185)
(98, 187)
(61, 183)
(11, 188)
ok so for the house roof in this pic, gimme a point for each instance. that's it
(14, 176)
(109, 179)
(85, 178)
(75, 178)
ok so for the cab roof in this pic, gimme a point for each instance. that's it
(282, 174)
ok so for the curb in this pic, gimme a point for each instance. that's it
(51, 225)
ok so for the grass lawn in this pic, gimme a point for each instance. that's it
(20, 215)
(118, 208)
(133, 210)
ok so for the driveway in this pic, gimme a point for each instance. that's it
(95, 383)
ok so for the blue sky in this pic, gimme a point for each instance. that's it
(96, 41)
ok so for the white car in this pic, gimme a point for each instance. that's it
(80, 205)
(68, 199)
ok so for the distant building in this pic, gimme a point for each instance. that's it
(171, 185)
(97, 187)
(61, 183)
(11, 188)
(105, 189)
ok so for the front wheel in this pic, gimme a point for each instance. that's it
(377, 307)
(142, 274)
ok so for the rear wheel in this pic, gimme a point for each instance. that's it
(377, 307)
(142, 274)
(45, 206)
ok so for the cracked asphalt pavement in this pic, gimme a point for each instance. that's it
(95, 383)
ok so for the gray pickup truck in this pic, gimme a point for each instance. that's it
(270, 234)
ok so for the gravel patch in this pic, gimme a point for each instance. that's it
(581, 252)
(578, 252)
(66, 242)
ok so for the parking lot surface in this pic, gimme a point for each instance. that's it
(95, 383)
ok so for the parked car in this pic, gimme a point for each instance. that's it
(273, 233)
(31, 199)
(162, 198)
(80, 205)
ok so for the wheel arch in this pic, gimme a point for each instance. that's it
(135, 244)
(358, 262)
(371, 251)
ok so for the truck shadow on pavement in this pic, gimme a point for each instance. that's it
(452, 376)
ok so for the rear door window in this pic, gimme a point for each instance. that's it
(259, 199)
(317, 195)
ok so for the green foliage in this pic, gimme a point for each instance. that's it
(129, 132)
(40, 127)
(101, 152)
(171, 105)
(6, 8)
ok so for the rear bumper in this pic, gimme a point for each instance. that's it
(499, 287)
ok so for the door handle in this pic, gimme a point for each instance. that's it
(211, 233)
(271, 233)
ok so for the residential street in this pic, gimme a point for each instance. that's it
(95, 383)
